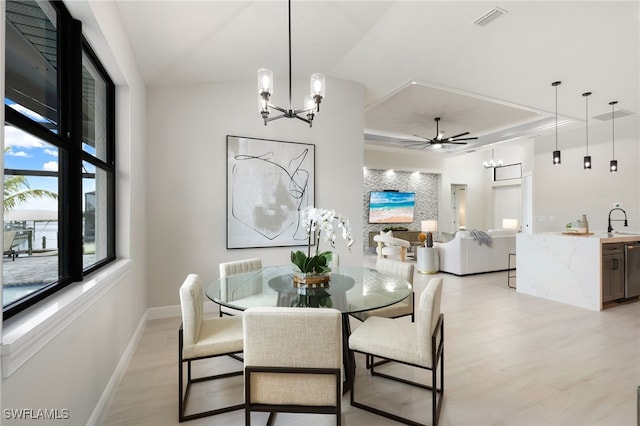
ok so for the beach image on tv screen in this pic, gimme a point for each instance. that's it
(391, 207)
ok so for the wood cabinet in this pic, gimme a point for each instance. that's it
(612, 272)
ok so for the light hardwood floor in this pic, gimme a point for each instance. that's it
(510, 359)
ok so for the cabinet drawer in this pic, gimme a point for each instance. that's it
(612, 248)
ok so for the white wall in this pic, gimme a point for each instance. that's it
(186, 192)
(73, 369)
(562, 193)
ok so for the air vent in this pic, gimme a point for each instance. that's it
(489, 16)
(617, 114)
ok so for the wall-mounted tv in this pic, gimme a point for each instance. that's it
(391, 206)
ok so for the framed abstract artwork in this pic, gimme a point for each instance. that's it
(268, 183)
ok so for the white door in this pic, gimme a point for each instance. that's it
(506, 204)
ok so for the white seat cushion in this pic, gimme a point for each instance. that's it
(217, 336)
(388, 338)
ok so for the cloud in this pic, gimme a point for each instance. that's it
(50, 166)
(16, 137)
(17, 154)
(51, 152)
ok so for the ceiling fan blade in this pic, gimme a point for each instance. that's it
(422, 137)
(465, 139)
(414, 143)
(457, 136)
(455, 143)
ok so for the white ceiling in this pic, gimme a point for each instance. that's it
(493, 81)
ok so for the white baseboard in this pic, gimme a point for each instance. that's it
(175, 311)
(102, 407)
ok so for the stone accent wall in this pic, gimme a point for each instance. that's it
(425, 185)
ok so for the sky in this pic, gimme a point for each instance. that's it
(26, 152)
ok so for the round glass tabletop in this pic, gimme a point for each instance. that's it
(351, 289)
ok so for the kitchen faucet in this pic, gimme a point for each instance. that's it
(609, 228)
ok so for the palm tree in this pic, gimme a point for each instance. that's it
(18, 191)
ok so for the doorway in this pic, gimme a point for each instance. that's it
(458, 205)
(506, 205)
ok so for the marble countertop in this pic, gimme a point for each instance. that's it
(615, 237)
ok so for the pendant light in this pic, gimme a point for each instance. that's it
(587, 157)
(556, 153)
(613, 165)
(311, 102)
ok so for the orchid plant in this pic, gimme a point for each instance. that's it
(326, 223)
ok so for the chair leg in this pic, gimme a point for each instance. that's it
(184, 395)
(436, 402)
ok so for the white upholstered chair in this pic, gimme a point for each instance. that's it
(237, 267)
(200, 338)
(293, 361)
(419, 344)
(391, 246)
(403, 308)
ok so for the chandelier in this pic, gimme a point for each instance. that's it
(492, 164)
(311, 102)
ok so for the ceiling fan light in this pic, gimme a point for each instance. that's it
(437, 145)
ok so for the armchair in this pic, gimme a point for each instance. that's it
(391, 246)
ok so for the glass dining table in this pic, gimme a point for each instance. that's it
(350, 290)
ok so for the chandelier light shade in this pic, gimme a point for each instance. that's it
(311, 104)
(587, 157)
(613, 164)
(556, 153)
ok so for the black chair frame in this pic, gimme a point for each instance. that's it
(437, 356)
(273, 409)
(182, 402)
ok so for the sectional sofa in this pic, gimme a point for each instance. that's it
(463, 255)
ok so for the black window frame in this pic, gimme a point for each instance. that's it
(71, 45)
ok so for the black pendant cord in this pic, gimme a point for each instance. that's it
(613, 129)
(556, 116)
(586, 95)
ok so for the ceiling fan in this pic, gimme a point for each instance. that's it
(439, 140)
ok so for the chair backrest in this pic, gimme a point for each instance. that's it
(293, 337)
(391, 241)
(192, 304)
(239, 266)
(395, 267)
(253, 286)
(427, 317)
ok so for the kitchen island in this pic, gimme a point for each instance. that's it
(564, 268)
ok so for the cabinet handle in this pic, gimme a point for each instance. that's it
(614, 265)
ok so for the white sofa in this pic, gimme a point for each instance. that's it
(463, 255)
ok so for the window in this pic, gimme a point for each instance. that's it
(59, 190)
